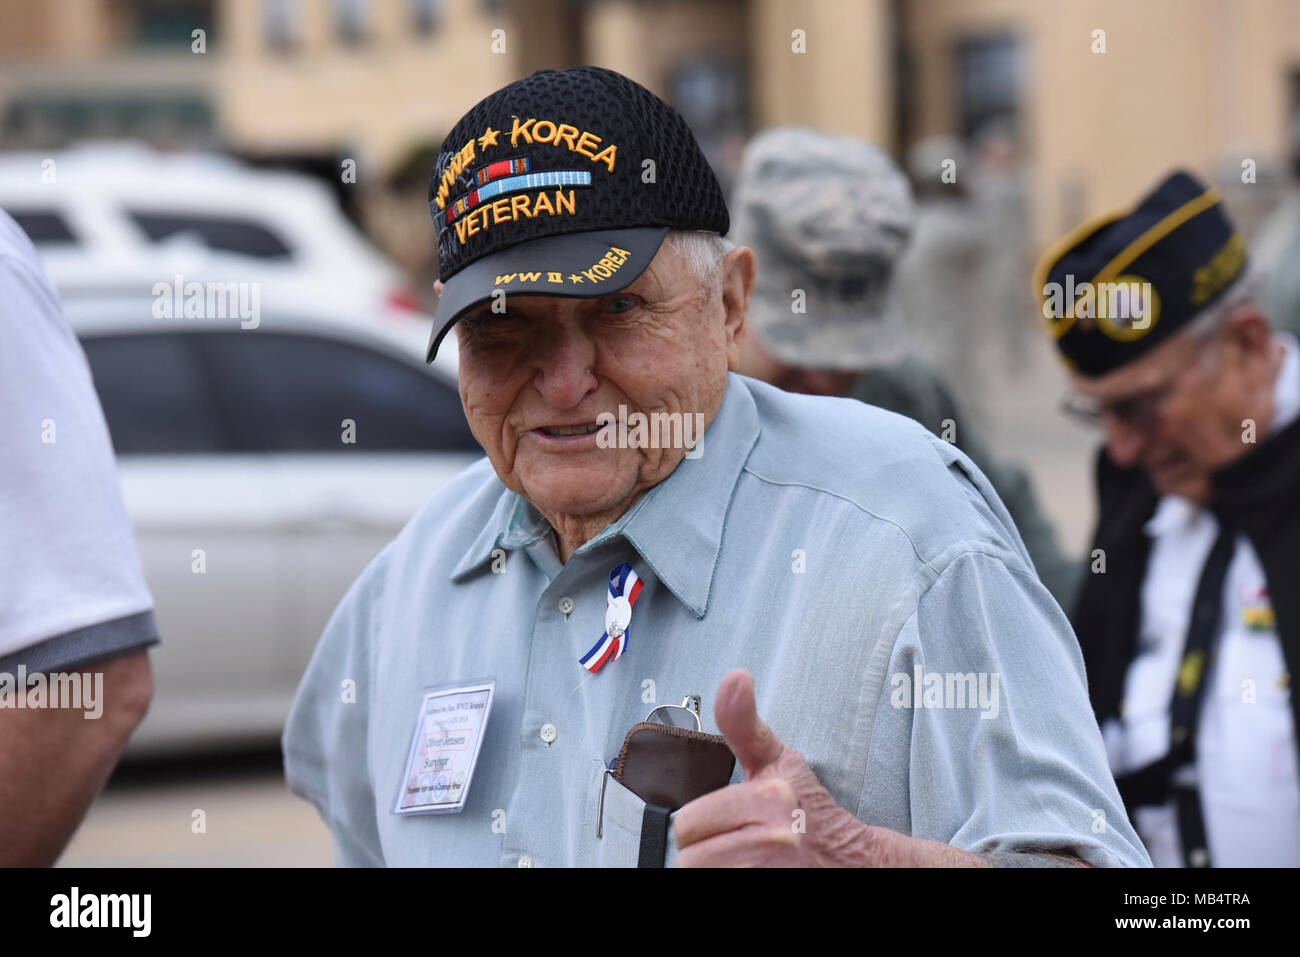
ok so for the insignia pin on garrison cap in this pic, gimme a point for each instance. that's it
(1125, 281)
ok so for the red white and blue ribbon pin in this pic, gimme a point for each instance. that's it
(624, 587)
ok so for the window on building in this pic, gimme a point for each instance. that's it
(989, 78)
(426, 15)
(280, 23)
(170, 23)
(41, 117)
(710, 93)
(351, 20)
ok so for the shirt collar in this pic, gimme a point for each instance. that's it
(1173, 513)
(1286, 389)
(514, 523)
(676, 527)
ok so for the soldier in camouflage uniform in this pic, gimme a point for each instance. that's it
(828, 218)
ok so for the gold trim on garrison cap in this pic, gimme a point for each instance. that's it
(1122, 282)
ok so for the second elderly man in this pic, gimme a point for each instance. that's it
(1190, 620)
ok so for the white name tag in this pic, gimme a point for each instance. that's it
(444, 748)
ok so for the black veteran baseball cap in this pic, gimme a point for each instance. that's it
(1124, 282)
(563, 184)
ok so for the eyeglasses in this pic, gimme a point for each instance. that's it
(684, 715)
(1140, 411)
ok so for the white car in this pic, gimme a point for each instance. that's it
(263, 468)
(115, 220)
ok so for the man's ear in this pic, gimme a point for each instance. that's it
(738, 271)
(437, 288)
(1248, 334)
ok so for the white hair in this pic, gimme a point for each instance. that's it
(703, 251)
(1206, 324)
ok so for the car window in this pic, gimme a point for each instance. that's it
(222, 233)
(154, 395)
(44, 227)
(293, 392)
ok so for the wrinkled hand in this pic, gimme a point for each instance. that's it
(780, 816)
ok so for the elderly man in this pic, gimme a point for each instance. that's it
(923, 695)
(1189, 624)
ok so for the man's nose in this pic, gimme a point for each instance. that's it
(564, 363)
(1123, 442)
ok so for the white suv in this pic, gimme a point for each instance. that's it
(116, 220)
(263, 468)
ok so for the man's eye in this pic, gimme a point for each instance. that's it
(491, 327)
(619, 304)
(494, 320)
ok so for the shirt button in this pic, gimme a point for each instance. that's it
(525, 861)
(548, 732)
(566, 605)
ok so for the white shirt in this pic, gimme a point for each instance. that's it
(68, 559)
(1245, 747)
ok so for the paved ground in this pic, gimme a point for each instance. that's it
(144, 818)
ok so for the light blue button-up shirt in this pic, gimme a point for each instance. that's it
(863, 570)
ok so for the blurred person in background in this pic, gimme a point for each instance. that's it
(828, 218)
(961, 278)
(75, 613)
(1190, 620)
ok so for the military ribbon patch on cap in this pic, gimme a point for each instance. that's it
(624, 587)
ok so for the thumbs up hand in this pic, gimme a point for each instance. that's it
(781, 816)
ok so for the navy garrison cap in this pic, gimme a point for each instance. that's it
(1125, 281)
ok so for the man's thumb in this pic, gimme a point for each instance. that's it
(751, 740)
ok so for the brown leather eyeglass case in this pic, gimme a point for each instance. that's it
(671, 766)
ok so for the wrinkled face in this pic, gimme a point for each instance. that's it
(1178, 411)
(534, 379)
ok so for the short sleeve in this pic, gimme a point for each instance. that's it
(72, 588)
(326, 752)
(986, 685)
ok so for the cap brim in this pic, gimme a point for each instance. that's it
(845, 333)
(562, 265)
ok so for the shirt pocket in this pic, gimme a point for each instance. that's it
(620, 842)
